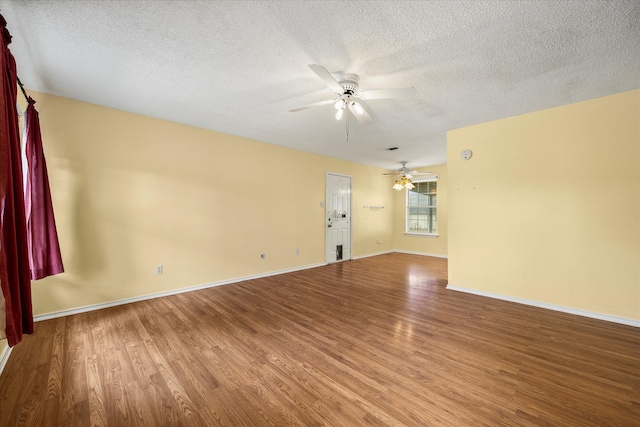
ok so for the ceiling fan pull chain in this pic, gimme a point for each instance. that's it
(347, 125)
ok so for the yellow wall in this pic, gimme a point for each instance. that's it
(422, 244)
(131, 192)
(548, 207)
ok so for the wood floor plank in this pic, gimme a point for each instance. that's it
(214, 414)
(377, 341)
(97, 411)
(50, 412)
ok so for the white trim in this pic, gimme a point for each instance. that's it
(593, 315)
(431, 235)
(93, 307)
(4, 358)
(421, 253)
(427, 179)
(372, 254)
(337, 173)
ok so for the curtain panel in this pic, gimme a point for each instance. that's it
(14, 261)
(42, 236)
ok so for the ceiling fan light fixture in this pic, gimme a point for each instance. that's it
(339, 114)
(340, 104)
(404, 182)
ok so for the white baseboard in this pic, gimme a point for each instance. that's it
(84, 309)
(400, 252)
(70, 312)
(421, 253)
(372, 254)
(4, 358)
(593, 315)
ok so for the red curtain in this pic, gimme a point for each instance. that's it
(42, 236)
(14, 260)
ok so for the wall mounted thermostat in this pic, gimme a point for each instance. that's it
(465, 154)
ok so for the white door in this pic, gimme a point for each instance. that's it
(338, 218)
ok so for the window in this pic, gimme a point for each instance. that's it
(422, 210)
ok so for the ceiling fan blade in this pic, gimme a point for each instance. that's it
(405, 92)
(360, 113)
(315, 104)
(404, 170)
(326, 77)
(407, 174)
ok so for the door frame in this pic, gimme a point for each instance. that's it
(326, 215)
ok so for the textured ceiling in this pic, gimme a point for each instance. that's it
(238, 66)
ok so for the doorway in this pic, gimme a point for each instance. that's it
(338, 218)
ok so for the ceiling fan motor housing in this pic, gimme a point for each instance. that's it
(349, 83)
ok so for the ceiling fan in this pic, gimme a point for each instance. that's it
(347, 89)
(404, 170)
(404, 181)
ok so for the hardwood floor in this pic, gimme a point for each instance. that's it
(376, 341)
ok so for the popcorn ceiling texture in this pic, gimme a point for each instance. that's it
(238, 66)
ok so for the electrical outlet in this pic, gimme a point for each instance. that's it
(377, 242)
(159, 269)
(263, 256)
(297, 251)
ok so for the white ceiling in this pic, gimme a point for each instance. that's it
(238, 66)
